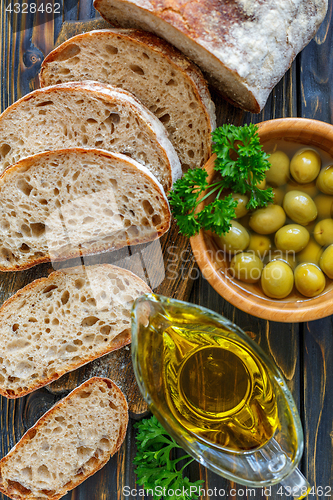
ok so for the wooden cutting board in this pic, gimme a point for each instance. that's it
(167, 265)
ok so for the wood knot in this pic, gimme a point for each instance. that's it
(251, 334)
(32, 57)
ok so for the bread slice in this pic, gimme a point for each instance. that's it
(91, 115)
(67, 444)
(165, 81)
(71, 202)
(244, 47)
(58, 323)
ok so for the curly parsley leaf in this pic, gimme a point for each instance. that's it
(217, 215)
(187, 190)
(186, 196)
(155, 466)
(242, 164)
(260, 198)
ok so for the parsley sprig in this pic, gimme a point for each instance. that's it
(242, 164)
(155, 465)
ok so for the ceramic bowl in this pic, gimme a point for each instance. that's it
(250, 297)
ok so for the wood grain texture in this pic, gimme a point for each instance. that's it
(302, 352)
(72, 28)
(316, 101)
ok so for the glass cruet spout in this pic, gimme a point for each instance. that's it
(217, 393)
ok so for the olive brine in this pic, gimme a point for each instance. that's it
(290, 241)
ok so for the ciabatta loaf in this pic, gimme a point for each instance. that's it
(58, 323)
(67, 444)
(243, 46)
(154, 71)
(91, 115)
(66, 203)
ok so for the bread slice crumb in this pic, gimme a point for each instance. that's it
(73, 202)
(90, 115)
(67, 444)
(58, 323)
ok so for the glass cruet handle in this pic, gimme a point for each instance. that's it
(296, 484)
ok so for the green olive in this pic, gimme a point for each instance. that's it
(300, 207)
(310, 189)
(267, 220)
(261, 184)
(326, 261)
(305, 165)
(237, 239)
(260, 244)
(288, 257)
(309, 279)
(247, 267)
(277, 279)
(278, 174)
(324, 205)
(311, 253)
(325, 180)
(278, 195)
(242, 200)
(323, 232)
(292, 238)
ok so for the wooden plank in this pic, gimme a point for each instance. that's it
(316, 101)
(318, 396)
(72, 28)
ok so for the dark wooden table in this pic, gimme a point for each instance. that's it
(303, 352)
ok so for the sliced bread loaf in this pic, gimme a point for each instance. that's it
(91, 115)
(243, 46)
(164, 80)
(67, 444)
(65, 203)
(58, 323)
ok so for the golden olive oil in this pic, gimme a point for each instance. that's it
(215, 392)
(217, 388)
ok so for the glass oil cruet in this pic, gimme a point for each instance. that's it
(217, 393)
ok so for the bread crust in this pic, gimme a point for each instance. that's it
(238, 44)
(118, 343)
(30, 432)
(145, 38)
(107, 92)
(26, 163)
